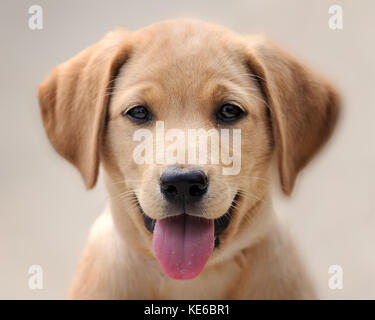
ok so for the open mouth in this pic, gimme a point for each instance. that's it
(184, 243)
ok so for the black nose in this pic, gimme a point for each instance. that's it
(180, 185)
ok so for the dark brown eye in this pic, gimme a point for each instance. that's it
(229, 112)
(138, 114)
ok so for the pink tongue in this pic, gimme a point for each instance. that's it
(183, 245)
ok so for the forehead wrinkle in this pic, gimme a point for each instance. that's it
(173, 78)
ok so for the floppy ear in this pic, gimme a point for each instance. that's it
(73, 100)
(303, 106)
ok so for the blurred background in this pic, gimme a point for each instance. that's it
(45, 212)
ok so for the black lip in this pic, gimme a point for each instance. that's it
(220, 224)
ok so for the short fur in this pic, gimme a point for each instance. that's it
(183, 69)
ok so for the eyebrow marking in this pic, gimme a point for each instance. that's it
(135, 94)
(229, 92)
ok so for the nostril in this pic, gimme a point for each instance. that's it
(197, 190)
(170, 190)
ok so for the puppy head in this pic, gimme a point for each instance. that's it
(137, 102)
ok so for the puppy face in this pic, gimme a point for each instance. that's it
(181, 76)
(194, 82)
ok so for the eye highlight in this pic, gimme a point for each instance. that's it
(138, 114)
(230, 112)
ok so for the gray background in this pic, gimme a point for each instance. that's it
(45, 212)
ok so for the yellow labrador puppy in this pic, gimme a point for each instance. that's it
(175, 227)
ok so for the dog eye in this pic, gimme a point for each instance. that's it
(138, 113)
(230, 112)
